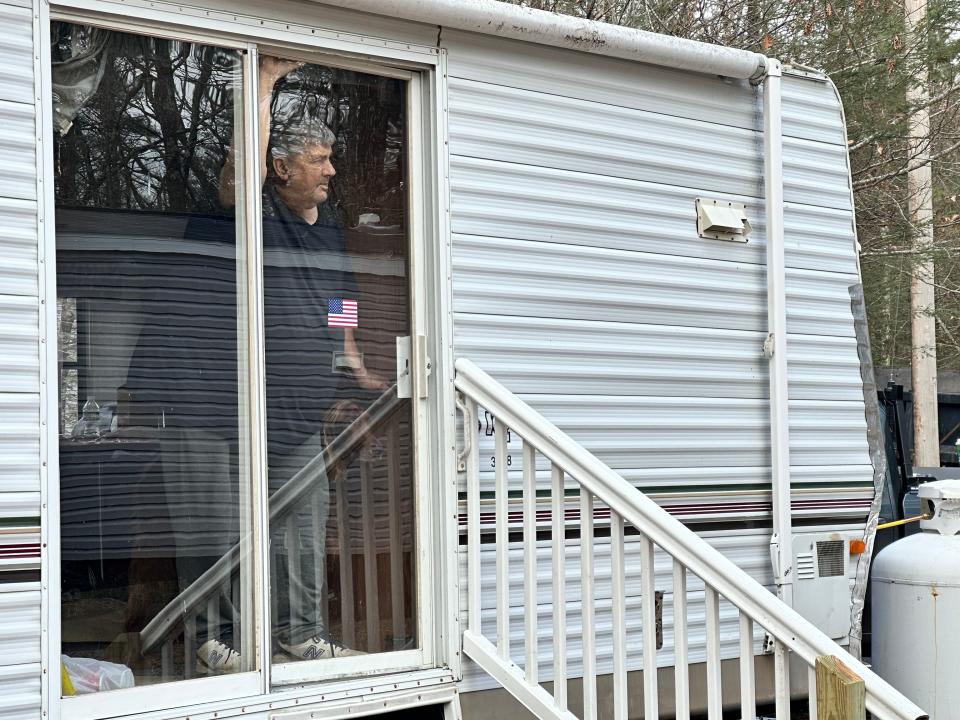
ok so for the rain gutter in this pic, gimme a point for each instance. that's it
(491, 17)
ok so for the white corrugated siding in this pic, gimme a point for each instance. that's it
(618, 83)
(19, 320)
(20, 691)
(18, 144)
(19, 371)
(20, 610)
(537, 279)
(20, 444)
(661, 432)
(579, 282)
(19, 359)
(16, 49)
(590, 357)
(513, 200)
(18, 245)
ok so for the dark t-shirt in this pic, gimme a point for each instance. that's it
(304, 267)
(184, 367)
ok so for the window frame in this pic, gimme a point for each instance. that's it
(419, 67)
(422, 657)
(152, 697)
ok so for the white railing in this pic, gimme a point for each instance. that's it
(629, 508)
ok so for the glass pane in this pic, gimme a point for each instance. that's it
(340, 459)
(153, 478)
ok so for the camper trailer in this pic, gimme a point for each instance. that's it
(421, 359)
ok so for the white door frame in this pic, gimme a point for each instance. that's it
(434, 419)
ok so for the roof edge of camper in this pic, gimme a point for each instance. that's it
(492, 17)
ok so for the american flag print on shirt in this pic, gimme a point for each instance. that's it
(341, 313)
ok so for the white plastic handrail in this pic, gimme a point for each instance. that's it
(720, 575)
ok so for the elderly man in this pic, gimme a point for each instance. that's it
(310, 310)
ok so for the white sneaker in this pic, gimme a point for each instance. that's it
(317, 648)
(216, 658)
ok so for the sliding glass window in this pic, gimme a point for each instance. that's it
(151, 276)
(340, 450)
(210, 356)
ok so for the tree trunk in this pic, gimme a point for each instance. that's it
(923, 354)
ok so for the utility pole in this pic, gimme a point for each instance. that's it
(923, 355)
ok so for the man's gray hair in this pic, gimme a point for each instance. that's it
(292, 138)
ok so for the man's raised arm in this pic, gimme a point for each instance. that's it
(270, 71)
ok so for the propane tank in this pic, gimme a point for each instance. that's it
(916, 606)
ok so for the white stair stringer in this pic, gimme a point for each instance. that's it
(511, 678)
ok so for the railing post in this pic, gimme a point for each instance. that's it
(813, 692)
(841, 694)
(234, 592)
(347, 602)
(586, 606)
(370, 574)
(166, 659)
(530, 559)
(714, 686)
(748, 688)
(618, 582)
(318, 532)
(294, 566)
(559, 550)
(396, 536)
(781, 669)
(189, 644)
(648, 600)
(473, 519)
(503, 539)
(213, 615)
(681, 670)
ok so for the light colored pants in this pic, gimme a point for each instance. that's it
(298, 552)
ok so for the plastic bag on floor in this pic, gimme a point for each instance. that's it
(87, 675)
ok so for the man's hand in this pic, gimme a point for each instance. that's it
(274, 68)
(270, 71)
(365, 379)
(371, 381)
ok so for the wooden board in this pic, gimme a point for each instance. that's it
(841, 694)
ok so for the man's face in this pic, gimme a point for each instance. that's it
(306, 176)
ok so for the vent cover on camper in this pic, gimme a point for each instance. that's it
(830, 558)
(821, 591)
(722, 220)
